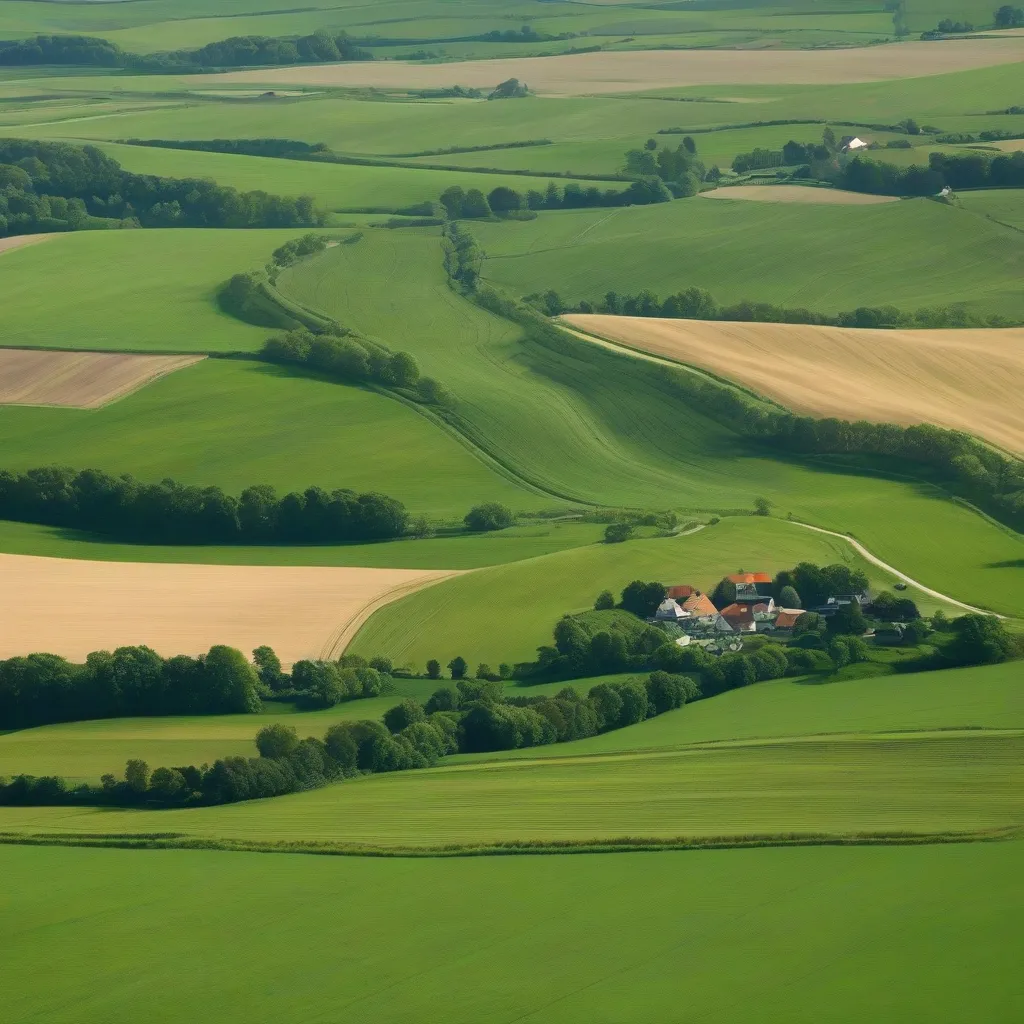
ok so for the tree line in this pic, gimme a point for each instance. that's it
(469, 204)
(472, 716)
(40, 689)
(969, 170)
(55, 186)
(238, 51)
(699, 304)
(680, 169)
(174, 513)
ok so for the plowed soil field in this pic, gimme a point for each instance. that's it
(969, 380)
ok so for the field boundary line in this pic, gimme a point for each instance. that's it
(346, 632)
(875, 560)
(509, 848)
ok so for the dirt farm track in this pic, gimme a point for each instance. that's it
(970, 380)
(71, 607)
(631, 71)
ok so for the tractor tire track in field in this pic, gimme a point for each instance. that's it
(875, 560)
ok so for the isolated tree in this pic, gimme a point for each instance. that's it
(724, 594)
(789, 598)
(762, 507)
(651, 144)
(433, 669)
(616, 533)
(489, 516)
(605, 601)
(458, 667)
(277, 741)
(689, 145)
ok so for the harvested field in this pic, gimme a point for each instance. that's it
(72, 607)
(969, 380)
(78, 380)
(17, 241)
(797, 194)
(625, 71)
(1010, 145)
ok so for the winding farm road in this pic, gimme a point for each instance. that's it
(875, 560)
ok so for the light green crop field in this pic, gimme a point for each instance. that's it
(485, 940)
(908, 782)
(237, 423)
(836, 257)
(987, 697)
(146, 291)
(334, 186)
(1005, 206)
(504, 613)
(456, 551)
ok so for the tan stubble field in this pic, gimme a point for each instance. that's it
(970, 380)
(71, 607)
(632, 71)
(78, 380)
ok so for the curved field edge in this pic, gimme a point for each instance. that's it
(969, 380)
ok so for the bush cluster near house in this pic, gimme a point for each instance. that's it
(55, 186)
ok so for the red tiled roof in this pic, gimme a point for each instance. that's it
(787, 618)
(749, 577)
(738, 613)
(677, 592)
(699, 605)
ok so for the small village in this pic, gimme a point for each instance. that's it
(752, 610)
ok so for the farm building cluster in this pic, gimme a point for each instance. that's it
(753, 610)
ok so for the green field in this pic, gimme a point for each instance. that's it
(142, 291)
(833, 255)
(236, 423)
(1005, 206)
(482, 941)
(504, 613)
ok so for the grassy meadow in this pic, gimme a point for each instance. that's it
(908, 254)
(473, 615)
(599, 938)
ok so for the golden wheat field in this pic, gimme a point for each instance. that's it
(71, 607)
(78, 380)
(797, 194)
(969, 380)
(631, 71)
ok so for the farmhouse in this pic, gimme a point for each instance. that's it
(786, 619)
(669, 611)
(740, 618)
(752, 587)
(850, 144)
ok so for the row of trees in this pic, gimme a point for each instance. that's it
(700, 304)
(41, 688)
(973, 170)
(459, 203)
(173, 513)
(55, 186)
(238, 51)
(352, 358)
(473, 716)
